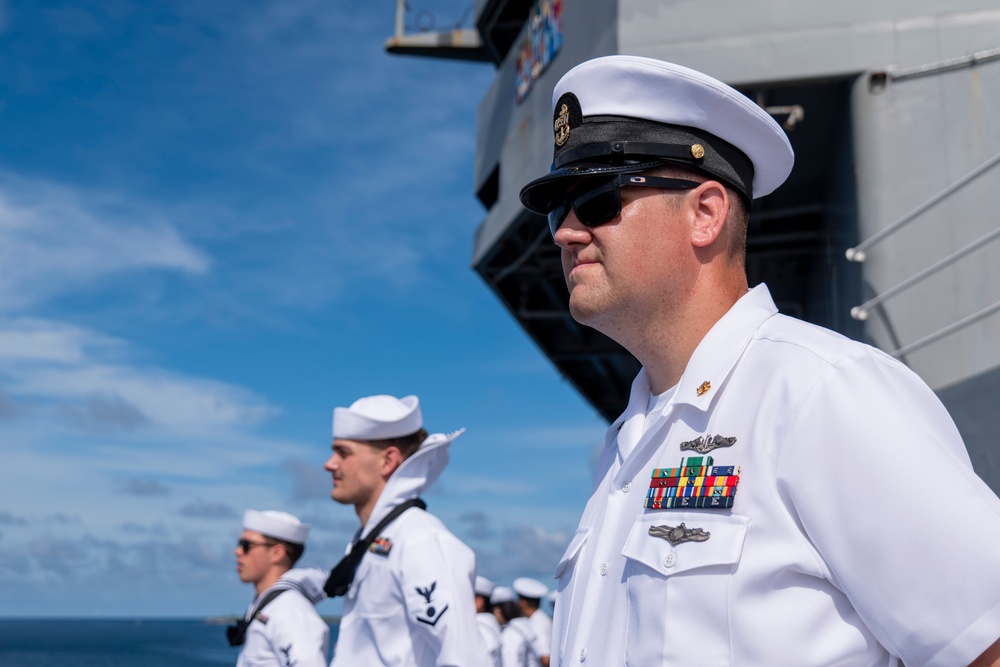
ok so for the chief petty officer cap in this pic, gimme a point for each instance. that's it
(279, 525)
(530, 588)
(378, 418)
(625, 114)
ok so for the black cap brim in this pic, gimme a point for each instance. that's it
(545, 193)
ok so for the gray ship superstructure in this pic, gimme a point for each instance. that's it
(888, 229)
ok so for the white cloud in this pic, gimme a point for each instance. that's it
(88, 375)
(522, 550)
(31, 340)
(182, 404)
(56, 239)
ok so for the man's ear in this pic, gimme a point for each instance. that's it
(392, 458)
(278, 553)
(709, 213)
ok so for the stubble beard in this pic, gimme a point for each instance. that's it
(591, 303)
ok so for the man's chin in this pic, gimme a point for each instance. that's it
(585, 311)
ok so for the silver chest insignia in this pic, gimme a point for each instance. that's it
(678, 534)
(706, 443)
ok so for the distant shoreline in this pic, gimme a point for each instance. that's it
(226, 620)
(138, 620)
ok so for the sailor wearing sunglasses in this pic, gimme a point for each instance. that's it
(774, 493)
(281, 628)
(407, 581)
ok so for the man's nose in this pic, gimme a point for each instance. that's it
(571, 232)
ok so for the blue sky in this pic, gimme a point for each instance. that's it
(217, 222)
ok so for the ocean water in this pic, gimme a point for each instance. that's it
(115, 643)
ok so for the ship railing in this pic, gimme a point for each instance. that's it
(858, 254)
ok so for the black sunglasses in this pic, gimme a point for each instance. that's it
(247, 545)
(603, 203)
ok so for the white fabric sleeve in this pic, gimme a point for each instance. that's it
(299, 637)
(513, 648)
(542, 626)
(877, 474)
(436, 578)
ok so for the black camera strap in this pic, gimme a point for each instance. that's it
(237, 632)
(342, 574)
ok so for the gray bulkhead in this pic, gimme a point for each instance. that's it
(900, 101)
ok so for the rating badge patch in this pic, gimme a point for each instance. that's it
(695, 484)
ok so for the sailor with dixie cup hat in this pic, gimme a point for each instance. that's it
(530, 593)
(407, 581)
(774, 493)
(489, 626)
(280, 625)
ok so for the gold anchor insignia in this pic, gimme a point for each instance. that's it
(562, 126)
(698, 151)
(703, 389)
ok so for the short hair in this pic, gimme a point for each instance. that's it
(406, 444)
(739, 208)
(534, 603)
(509, 609)
(293, 551)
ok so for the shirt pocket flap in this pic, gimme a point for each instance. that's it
(691, 548)
(573, 550)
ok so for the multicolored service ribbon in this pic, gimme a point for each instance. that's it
(695, 484)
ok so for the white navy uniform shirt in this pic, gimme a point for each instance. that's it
(858, 533)
(412, 602)
(517, 644)
(541, 628)
(287, 632)
(489, 632)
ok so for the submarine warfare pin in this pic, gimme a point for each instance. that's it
(695, 484)
(706, 443)
(680, 533)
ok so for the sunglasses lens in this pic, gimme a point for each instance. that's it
(600, 205)
(244, 545)
(557, 215)
(593, 207)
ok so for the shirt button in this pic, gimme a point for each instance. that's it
(626, 486)
(604, 569)
(669, 560)
(583, 654)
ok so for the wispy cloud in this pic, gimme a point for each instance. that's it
(142, 487)
(8, 407)
(8, 519)
(28, 340)
(87, 377)
(309, 480)
(207, 509)
(56, 239)
(281, 210)
(157, 574)
(522, 550)
(478, 525)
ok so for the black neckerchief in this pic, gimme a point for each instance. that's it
(342, 574)
(237, 632)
